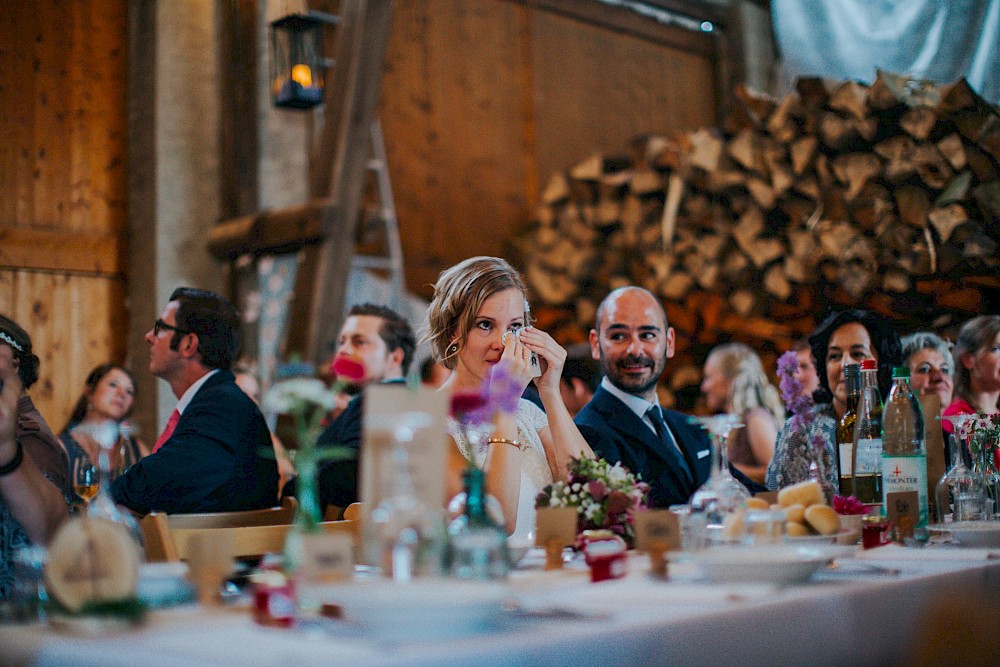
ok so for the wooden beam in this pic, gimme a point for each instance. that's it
(61, 252)
(270, 232)
(356, 79)
(238, 135)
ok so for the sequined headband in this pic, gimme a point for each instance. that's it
(10, 341)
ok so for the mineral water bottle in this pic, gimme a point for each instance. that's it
(867, 484)
(904, 456)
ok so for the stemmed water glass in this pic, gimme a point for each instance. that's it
(961, 489)
(722, 494)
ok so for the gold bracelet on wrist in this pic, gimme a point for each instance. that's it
(507, 441)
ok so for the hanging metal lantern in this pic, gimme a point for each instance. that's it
(298, 63)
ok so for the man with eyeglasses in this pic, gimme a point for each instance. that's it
(209, 457)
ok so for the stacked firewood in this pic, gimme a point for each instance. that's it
(840, 194)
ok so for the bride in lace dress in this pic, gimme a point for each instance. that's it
(476, 302)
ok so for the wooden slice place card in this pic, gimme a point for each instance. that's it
(92, 560)
(555, 528)
(656, 532)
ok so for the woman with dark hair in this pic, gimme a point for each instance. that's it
(977, 367)
(108, 395)
(33, 479)
(845, 337)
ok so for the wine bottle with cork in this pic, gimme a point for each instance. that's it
(866, 485)
(845, 428)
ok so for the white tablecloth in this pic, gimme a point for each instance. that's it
(855, 614)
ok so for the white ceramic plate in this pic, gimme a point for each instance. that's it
(429, 609)
(773, 564)
(972, 533)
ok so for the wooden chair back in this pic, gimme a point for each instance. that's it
(271, 516)
(353, 512)
(163, 542)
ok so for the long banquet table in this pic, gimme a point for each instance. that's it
(870, 610)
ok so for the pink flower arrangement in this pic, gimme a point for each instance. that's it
(605, 496)
(848, 505)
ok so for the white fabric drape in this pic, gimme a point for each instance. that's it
(940, 40)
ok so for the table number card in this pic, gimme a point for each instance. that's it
(555, 528)
(903, 510)
(327, 557)
(930, 405)
(656, 532)
(385, 406)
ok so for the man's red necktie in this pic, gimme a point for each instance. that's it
(168, 430)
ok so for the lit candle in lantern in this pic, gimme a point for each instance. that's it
(302, 75)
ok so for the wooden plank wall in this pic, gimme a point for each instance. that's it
(483, 100)
(62, 187)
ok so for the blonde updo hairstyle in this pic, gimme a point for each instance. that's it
(749, 386)
(459, 295)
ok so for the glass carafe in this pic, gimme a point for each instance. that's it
(107, 435)
(721, 494)
(401, 522)
(960, 494)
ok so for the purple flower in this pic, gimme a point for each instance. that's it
(791, 388)
(503, 390)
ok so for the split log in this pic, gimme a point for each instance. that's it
(918, 122)
(850, 97)
(855, 169)
(945, 219)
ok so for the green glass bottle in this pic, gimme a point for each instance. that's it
(478, 543)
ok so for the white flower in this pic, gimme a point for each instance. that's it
(286, 395)
(617, 474)
(576, 486)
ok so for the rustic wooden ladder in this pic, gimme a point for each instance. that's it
(348, 147)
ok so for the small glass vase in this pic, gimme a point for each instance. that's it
(983, 447)
(476, 536)
(960, 493)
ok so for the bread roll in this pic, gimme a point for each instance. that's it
(804, 493)
(795, 529)
(823, 519)
(732, 526)
(795, 513)
(757, 504)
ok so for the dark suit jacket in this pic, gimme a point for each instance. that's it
(338, 478)
(617, 434)
(213, 462)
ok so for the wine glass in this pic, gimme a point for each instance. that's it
(721, 494)
(961, 489)
(86, 479)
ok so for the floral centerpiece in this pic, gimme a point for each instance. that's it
(605, 496)
(982, 433)
(800, 406)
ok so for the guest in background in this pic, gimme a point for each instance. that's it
(246, 380)
(108, 396)
(977, 373)
(478, 304)
(381, 340)
(735, 382)
(624, 421)
(580, 377)
(433, 373)
(210, 457)
(845, 337)
(33, 466)
(931, 365)
(805, 372)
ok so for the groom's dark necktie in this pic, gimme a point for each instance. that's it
(671, 448)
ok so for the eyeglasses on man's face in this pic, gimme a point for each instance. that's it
(160, 325)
